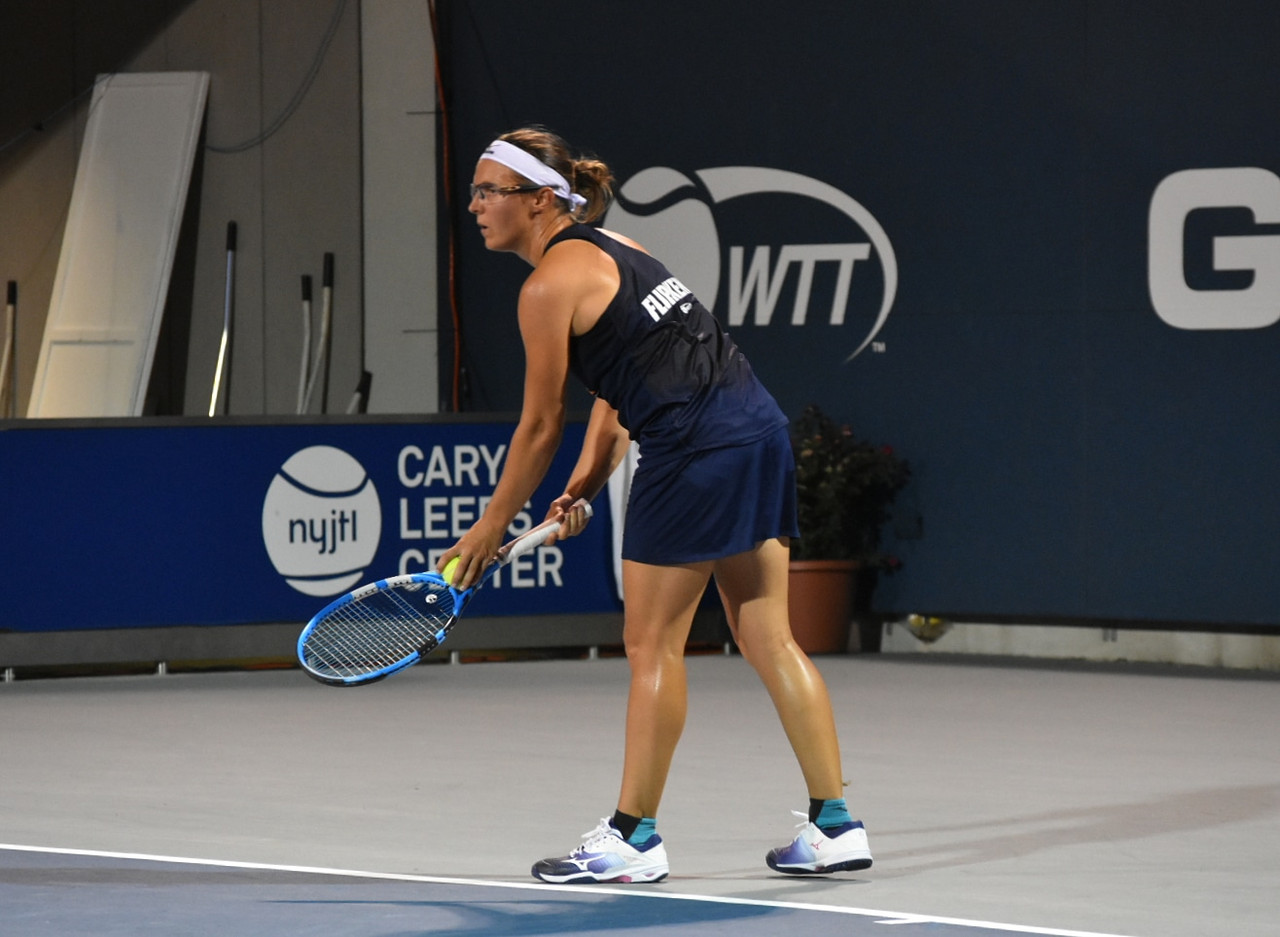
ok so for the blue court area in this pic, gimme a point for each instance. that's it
(66, 894)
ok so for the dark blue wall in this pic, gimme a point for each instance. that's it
(1075, 455)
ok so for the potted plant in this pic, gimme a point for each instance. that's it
(845, 487)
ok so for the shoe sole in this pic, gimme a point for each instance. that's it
(590, 878)
(849, 865)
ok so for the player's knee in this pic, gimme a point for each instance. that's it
(764, 648)
(648, 650)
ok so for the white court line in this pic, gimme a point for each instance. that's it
(886, 917)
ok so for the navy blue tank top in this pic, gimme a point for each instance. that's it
(661, 359)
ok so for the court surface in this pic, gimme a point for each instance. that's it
(999, 798)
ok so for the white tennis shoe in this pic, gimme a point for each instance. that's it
(813, 852)
(605, 856)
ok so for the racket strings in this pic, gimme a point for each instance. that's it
(378, 631)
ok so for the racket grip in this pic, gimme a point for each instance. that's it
(538, 536)
(12, 298)
(306, 288)
(231, 236)
(328, 271)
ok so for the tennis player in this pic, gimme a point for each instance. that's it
(713, 493)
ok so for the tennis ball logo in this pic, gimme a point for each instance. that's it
(321, 521)
(668, 212)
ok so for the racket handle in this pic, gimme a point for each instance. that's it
(538, 536)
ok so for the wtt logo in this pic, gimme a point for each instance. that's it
(838, 245)
(1210, 267)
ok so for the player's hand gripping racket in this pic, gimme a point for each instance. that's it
(388, 625)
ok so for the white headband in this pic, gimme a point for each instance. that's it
(533, 169)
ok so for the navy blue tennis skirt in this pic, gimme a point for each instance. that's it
(690, 507)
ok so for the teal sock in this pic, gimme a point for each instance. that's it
(827, 814)
(635, 830)
(644, 829)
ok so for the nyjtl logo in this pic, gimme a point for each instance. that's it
(328, 532)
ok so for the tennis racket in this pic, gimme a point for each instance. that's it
(385, 626)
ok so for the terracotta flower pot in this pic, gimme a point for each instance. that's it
(820, 603)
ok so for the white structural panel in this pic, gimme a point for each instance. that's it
(117, 252)
(399, 130)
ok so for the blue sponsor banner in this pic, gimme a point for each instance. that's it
(122, 525)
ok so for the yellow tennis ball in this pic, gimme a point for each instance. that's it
(449, 567)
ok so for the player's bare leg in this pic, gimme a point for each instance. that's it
(753, 587)
(660, 603)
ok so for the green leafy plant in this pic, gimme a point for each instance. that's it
(845, 488)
